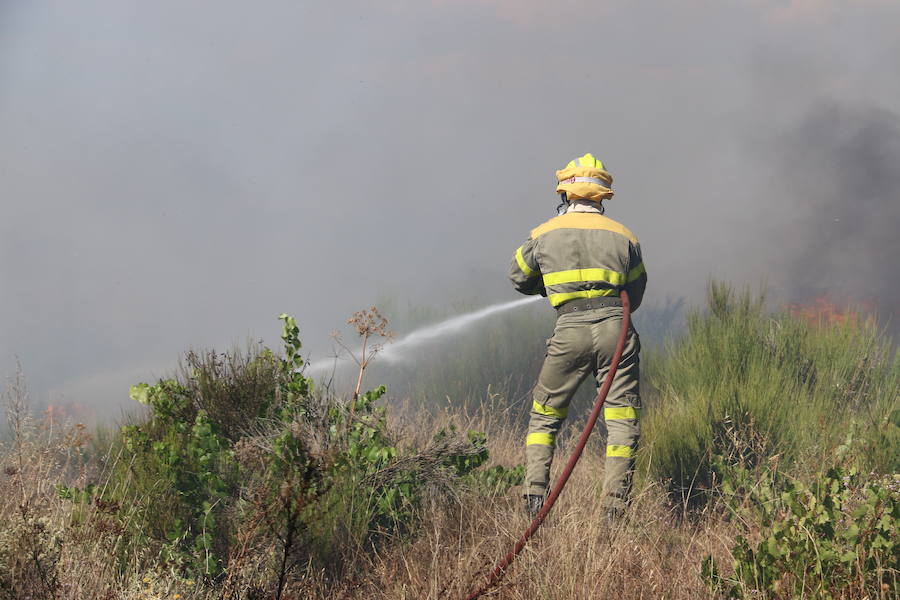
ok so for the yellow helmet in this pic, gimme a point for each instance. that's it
(585, 177)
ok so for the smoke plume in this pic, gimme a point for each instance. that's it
(838, 206)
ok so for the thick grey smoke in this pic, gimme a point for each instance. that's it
(175, 175)
(844, 238)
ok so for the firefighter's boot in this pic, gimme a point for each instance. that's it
(533, 505)
(614, 516)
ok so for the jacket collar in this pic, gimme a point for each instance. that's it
(583, 206)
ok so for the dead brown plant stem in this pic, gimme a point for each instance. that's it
(363, 363)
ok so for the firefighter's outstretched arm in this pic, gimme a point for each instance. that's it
(524, 271)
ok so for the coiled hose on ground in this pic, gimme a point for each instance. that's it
(497, 573)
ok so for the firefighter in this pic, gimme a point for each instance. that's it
(580, 260)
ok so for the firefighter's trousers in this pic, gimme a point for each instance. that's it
(583, 343)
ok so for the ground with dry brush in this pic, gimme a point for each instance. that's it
(63, 550)
(768, 428)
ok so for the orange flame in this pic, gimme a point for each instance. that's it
(67, 412)
(824, 311)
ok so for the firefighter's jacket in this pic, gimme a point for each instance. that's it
(580, 254)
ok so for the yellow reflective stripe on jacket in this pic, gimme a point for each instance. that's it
(618, 413)
(636, 272)
(540, 439)
(557, 299)
(549, 411)
(618, 451)
(582, 275)
(529, 272)
(582, 220)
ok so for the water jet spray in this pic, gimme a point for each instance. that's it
(399, 350)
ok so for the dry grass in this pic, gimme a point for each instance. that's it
(44, 551)
(575, 555)
(54, 548)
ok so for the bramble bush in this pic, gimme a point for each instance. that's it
(834, 537)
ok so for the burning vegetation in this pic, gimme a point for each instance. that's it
(825, 311)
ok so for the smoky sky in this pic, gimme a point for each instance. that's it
(176, 174)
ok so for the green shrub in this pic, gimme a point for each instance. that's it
(233, 388)
(375, 492)
(835, 537)
(744, 386)
(494, 480)
(176, 476)
(299, 476)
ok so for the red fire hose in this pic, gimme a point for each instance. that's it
(557, 489)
